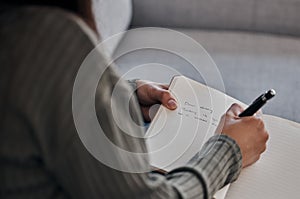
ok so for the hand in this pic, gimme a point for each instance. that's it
(248, 132)
(151, 93)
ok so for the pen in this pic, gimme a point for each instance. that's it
(258, 103)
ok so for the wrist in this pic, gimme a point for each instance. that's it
(236, 158)
(133, 84)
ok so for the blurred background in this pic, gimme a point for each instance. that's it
(254, 43)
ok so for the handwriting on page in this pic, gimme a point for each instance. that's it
(198, 113)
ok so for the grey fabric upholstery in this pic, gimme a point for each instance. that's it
(249, 64)
(112, 17)
(271, 16)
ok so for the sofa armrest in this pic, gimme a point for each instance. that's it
(270, 16)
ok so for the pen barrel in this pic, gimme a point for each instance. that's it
(252, 109)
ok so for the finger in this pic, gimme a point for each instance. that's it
(234, 110)
(164, 86)
(165, 98)
(266, 135)
(259, 113)
(146, 115)
(171, 102)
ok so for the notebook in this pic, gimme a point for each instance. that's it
(174, 137)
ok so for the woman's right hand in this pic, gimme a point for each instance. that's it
(248, 132)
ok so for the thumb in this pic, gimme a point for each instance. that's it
(235, 110)
(166, 98)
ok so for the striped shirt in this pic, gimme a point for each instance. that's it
(41, 154)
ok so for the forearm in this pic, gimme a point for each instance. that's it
(221, 165)
(217, 164)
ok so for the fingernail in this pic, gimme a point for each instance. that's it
(172, 104)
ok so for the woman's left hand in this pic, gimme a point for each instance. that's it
(151, 93)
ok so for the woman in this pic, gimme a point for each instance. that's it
(43, 44)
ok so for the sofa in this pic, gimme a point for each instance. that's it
(255, 44)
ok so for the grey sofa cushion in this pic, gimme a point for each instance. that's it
(249, 63)
(112, 17)
(272, 16)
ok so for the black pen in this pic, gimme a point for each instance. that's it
(258, 103)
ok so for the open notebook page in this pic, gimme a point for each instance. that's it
(277, 174)
(174, 137)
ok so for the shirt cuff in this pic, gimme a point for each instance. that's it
(218, 163)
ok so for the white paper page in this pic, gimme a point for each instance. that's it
(221, 194)
(176, 136)
(277, 174)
